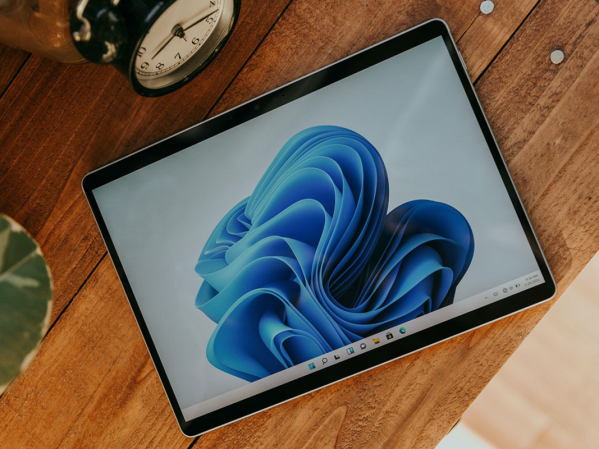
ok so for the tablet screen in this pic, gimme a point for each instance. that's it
(318, 232)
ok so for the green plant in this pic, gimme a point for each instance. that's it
(25, 299)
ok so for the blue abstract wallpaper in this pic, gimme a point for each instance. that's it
(311, 261)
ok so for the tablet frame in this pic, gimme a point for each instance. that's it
(272, 100)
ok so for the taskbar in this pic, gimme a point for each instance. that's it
(425, 321)
(370, 343)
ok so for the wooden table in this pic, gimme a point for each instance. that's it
(93, 383)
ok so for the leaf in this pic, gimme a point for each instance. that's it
(25, 299)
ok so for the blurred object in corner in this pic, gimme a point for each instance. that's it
(462, 437)
(40, 27)
(547, 394)
(25, 300)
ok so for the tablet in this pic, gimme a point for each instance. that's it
(344, 220)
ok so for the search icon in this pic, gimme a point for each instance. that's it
(324, 360)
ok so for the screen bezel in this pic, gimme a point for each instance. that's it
(268, 102)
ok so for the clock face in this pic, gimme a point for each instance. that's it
(181, 39)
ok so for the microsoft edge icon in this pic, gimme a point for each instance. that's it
(402, 330)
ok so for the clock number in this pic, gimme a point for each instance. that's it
(141, 51)
(159, 65)
(195, 41)
(210, 20)
(145, 65)
(178, 56)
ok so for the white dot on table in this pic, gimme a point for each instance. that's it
(557, 56)
(487, 7)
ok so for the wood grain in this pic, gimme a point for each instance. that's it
(79, 118)
(313, 34)
(494, 30)
(302, 41)
(547, 125)
(12, 61)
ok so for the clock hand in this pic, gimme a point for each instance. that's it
(178, 31)
(162, 48)
(200, 20)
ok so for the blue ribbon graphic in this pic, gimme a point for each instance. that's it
(311, 261)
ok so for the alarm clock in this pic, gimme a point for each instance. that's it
(159, 45)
